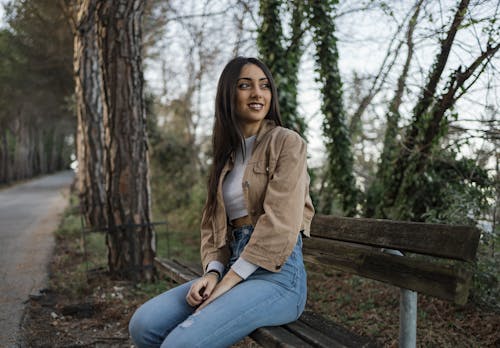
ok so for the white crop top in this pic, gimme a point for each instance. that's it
(232, 187)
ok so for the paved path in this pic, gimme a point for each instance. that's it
(29, 213)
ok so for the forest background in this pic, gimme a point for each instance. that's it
(398, 100)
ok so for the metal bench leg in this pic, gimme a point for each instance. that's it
(408, 319)
(407, 313)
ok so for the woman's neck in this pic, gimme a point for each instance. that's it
(250, 129)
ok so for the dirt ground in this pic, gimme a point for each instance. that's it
(92, 310)
(85, 309)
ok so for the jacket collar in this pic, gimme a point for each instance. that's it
(266, 126)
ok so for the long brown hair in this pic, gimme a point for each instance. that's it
(227, 136)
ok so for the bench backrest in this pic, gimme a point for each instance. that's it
(437, 258)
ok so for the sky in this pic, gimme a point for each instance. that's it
(2, 12)
(363, 58)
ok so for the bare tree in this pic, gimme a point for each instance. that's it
(428, 123)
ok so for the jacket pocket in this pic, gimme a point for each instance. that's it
(261, 167)
(264, 167)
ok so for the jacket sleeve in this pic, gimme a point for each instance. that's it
(208, 249)
(276, 230)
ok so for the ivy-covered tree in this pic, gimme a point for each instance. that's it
(340, 185)
(282, 55)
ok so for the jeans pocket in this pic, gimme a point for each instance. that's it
(240, 239)
(287, 277)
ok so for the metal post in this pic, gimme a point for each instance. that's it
(408, 319)
(407, 313)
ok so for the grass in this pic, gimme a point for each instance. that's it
(178, 244)
(87, 253)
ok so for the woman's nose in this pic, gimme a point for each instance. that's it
(256, 92)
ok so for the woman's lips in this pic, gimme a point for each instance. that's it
(256, 106)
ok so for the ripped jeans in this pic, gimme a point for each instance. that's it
(263, 299)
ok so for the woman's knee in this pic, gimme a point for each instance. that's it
(138, 328)
(181, 338)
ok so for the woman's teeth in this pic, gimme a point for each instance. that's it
(255, 106)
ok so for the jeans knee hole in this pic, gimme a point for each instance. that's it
(187, 323)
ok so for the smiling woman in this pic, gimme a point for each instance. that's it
(253, 98)
(257, 210)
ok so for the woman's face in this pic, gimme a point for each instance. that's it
(253, 95)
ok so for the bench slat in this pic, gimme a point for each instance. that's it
(450, 241)
(444, 281)
(316, 338)
(325, 333)
(175, 270)
(277, 336)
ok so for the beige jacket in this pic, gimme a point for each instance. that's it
(276, 191)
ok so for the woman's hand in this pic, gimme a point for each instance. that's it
(227, 283)
(202, 289)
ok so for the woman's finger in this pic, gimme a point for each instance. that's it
(204, 304)
(193, 297)
(210, 285)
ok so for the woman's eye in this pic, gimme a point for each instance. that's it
(243, 85)
(265, 86)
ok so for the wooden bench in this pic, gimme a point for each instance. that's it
(431, 259)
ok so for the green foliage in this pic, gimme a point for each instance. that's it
(340, 182)
(454, 191)
(459, 191)
(35, 83)
(486, 280)
(10, 63)
(446, 190)
(177, 184)
(282, 55)
(178, 195)
(148, 290)
(173, 162)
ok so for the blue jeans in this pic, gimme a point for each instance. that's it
(263, 299)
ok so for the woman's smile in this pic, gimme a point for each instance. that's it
(256, 106)
(253, 98)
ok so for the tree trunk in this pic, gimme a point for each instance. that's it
(130, 238)
(428, 127)
(384, 171)
(341, 184)
(90, 136)
(403, 165)
(4, 156)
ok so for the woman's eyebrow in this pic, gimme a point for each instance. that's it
(250, 79)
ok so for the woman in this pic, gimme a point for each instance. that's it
(258, 206)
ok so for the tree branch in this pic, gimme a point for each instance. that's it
(448, 98)
(435, 75)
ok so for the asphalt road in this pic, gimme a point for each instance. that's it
(29, 213)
